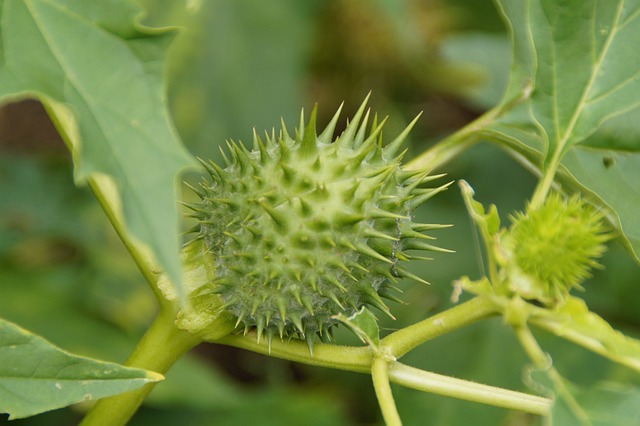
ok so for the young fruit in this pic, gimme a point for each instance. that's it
(552, 248)
(302, 228)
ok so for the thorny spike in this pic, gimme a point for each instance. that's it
(336, 283)
(279, 218)
(406, 274)
(327, 134)
(426, 194)
(331, 295)
(390, 296)
(282, 309)
(374, 299)
(285, 152)
(362, 130)
(377, 213)
(309, 339)
(259, 146)
(348, 135)
(391, 149)
(308, 145)
(368, 251)
(375, 132)
(297, 322)
(421, 227)
(374, 233)
(415, 244)
(225, 159)
(259, 328)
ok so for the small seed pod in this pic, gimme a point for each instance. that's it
(553, 248)
(302, 228)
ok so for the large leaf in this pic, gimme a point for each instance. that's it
(36, 376)
(576, 60)
(100, 75)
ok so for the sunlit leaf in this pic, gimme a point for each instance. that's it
(575, 60)
(36, 376)
(99, 73)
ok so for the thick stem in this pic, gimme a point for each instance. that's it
(158, 350)
(402, 341)
(470, 391)
(380, 376)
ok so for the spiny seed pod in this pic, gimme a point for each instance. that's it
(554, 247)
(302, 228)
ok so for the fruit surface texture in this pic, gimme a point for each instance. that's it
(303, 227)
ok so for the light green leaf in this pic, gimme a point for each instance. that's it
(99, 73)
(573, 321)
(36, 376)
(573, 63)
(364, 325)
(488, 222)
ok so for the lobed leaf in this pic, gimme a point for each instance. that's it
(36, 376)
(574, 67)
(99, 73)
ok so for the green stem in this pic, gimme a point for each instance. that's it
(402, 341)
(380, 376)
(542, 361)
(470, 391)
(456, 143)
(350, 358)
(158, 350)
(545, 182)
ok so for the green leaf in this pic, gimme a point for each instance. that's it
(364, 325)
(36, 376)
(99, 73)
(573, 69)
(605, 404)
(488, 222)
(573, 321)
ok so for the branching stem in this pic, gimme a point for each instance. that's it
(404, 340)
(463, 389)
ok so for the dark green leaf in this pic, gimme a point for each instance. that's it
(100, 75)
(36, 376)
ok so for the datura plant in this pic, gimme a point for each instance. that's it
(301, 229)
(299, 232)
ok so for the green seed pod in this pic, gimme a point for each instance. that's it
(553, 248)
(302, 228)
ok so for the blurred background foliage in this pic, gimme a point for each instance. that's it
(239, 65)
